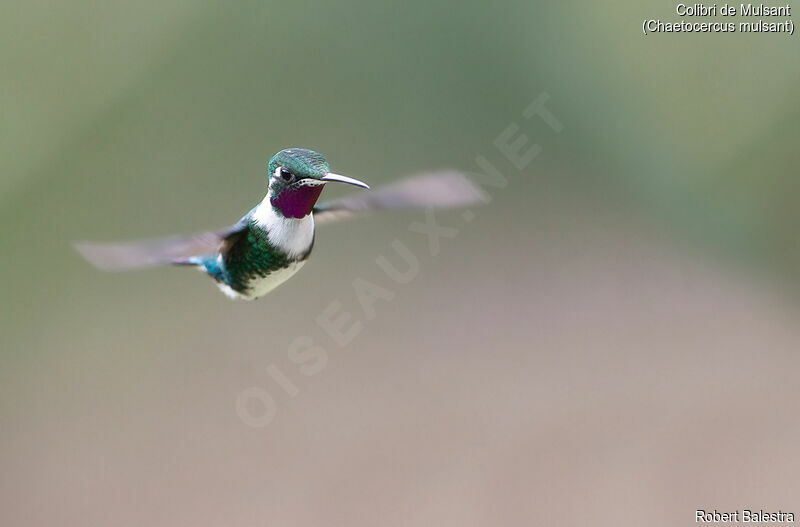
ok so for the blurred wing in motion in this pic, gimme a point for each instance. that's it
(443, 189)
(146, 253)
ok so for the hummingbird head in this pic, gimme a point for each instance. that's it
(296, 179)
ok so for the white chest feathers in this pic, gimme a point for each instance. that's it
(293, 236)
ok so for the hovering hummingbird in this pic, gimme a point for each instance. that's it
(273, 241)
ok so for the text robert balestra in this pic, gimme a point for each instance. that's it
(743, 516)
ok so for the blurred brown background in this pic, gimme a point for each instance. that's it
(612, 340)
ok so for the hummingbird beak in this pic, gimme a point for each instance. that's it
(330, 176)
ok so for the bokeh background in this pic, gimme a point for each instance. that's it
(612, 340)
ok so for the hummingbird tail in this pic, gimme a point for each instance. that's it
(192, 260)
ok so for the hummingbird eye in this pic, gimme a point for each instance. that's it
(285, 174)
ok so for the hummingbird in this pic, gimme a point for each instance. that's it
(274, 240)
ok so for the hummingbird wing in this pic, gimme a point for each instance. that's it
(157, 251)
(443, 189)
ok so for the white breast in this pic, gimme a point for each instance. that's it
(291, 235)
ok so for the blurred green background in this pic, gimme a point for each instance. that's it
(616, 317)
